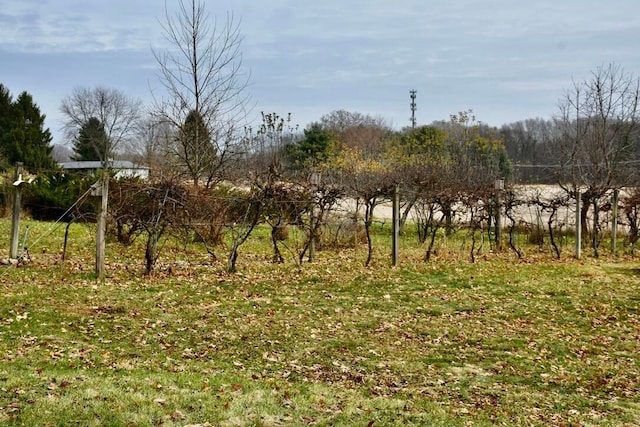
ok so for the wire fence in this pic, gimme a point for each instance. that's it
(525, 215)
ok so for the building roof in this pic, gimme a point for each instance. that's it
(113, 164)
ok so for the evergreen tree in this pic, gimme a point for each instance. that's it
(317, 146)
(6, 122)
(194, 149)
(23, 137)
(91, 143)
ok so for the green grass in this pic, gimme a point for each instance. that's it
(331, 344)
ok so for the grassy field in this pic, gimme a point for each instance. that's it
(449, 343)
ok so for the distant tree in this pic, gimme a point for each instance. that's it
(118, 114)
(23, 136)
(317, 146)
(358, 131)
(153, 146)
(6, 122)
(479, 154)
(202, 76)
(420, 158)
(527, 141)
(472, 158)
(599, 121)
(269, 144)
(91, 143)
(61, 153)
(529, 145)
(196, 153)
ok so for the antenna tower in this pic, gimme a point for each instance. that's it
(412, 93)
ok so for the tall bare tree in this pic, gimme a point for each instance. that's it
(152, 146)
(116, 112)
(599, 121)
(202, 76)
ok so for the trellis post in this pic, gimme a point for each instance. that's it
(578, 225)
(101, 190)
(17, 207)
(396, 226)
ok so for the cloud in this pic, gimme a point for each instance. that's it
(500, 57)
(76, 26)
(535, 85)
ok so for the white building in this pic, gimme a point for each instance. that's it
(121, 168)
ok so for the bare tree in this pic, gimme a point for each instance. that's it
(116, 112)
(202, 77)
(529, 146)
(356, 130)
(599, 122)
(152, 146)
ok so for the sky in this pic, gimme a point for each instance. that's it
(507, 60)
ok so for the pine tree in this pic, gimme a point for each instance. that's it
(91, 143)
(23, 137)
(195, 150)
(6, 123)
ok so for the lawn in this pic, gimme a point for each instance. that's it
(446, 343)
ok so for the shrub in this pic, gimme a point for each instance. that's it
(53, 194)
(341, 232)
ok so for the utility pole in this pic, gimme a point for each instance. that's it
(412, 94)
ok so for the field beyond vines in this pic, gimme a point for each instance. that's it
(502, 341)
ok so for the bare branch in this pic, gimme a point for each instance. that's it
(202, 75)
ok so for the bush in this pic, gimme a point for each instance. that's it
(341, 232)
(54, 193)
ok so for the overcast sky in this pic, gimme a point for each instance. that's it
(507, 60)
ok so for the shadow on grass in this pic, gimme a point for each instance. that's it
(635, 272)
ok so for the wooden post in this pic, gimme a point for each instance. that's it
(315, 183)
(396, 226)
(614, 220)
(103, 192)
(17, 207)
(499, 186)
(312, 236)
(578, 225)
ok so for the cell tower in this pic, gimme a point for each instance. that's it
(412, 93)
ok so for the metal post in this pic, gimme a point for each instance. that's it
(17, 207)
(614, 223)
(396, 226)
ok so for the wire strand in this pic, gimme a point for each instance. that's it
(52, 228)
